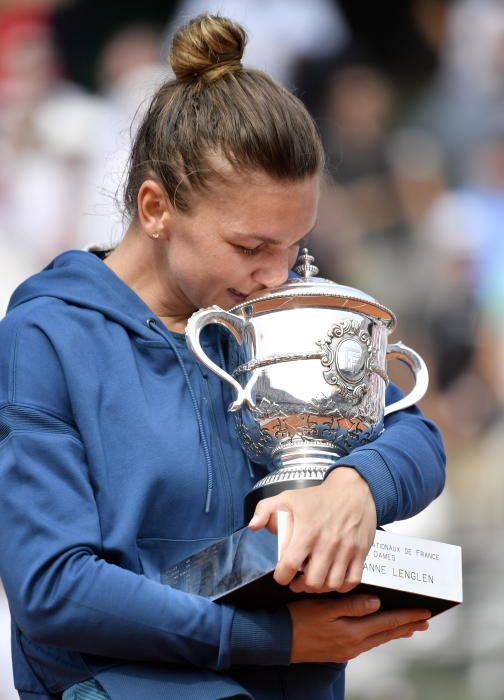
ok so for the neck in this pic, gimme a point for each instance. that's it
(140, 262)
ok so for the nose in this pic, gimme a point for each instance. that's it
(273, 269)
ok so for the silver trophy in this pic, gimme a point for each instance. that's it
(309, 368)
(309, 372)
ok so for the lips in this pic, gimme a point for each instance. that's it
(242, 296)
(238, 294)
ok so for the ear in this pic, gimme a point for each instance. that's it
(155, 211)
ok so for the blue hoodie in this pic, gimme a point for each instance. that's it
(118, 458)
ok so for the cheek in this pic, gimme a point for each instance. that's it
(293, 256)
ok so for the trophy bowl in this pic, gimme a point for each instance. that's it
(309, 368)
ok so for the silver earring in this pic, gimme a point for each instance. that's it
(155, 234)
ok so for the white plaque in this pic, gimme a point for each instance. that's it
(414, 565)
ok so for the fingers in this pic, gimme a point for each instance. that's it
(295, 552)
(388, 622)
(265, 515)
(291, 562)
(296, 542)
(345, 582)
(361, 605)
(292, 556)
(338, 630)
(401, 632)
(350, 606)
(355, 606)
(331, 568)
(315, 568)
(366, 632)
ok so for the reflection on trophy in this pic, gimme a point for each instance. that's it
(309, 371)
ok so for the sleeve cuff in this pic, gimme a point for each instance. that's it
(373, 468)
(261, 638)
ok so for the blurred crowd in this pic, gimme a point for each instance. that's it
(411, 212)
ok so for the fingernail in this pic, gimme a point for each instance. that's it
(253, 521)
(373, 603)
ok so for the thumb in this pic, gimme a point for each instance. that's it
(265, 514)
(356, 606)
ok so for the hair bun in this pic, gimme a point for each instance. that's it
(208, 46)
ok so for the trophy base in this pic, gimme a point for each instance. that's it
(404, 572)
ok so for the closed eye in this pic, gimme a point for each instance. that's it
(253, 251)
(248, 251)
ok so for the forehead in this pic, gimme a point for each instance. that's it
(257, 203)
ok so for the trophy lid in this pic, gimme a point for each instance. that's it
(308, 290)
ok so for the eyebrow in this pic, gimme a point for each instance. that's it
(272, 241)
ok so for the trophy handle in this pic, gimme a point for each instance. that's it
(398, 351)
(236, 325)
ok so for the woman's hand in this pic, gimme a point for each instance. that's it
(331, 529)
(333, 631)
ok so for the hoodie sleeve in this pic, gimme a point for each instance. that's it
(63, 591)
(404, 466)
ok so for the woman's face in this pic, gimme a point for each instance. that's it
(240, 239)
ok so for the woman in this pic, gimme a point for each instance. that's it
(117, 455)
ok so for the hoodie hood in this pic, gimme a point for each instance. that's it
(82, 279)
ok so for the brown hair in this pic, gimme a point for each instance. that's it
(216, 107)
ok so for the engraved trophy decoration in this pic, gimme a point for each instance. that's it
(309, 371)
